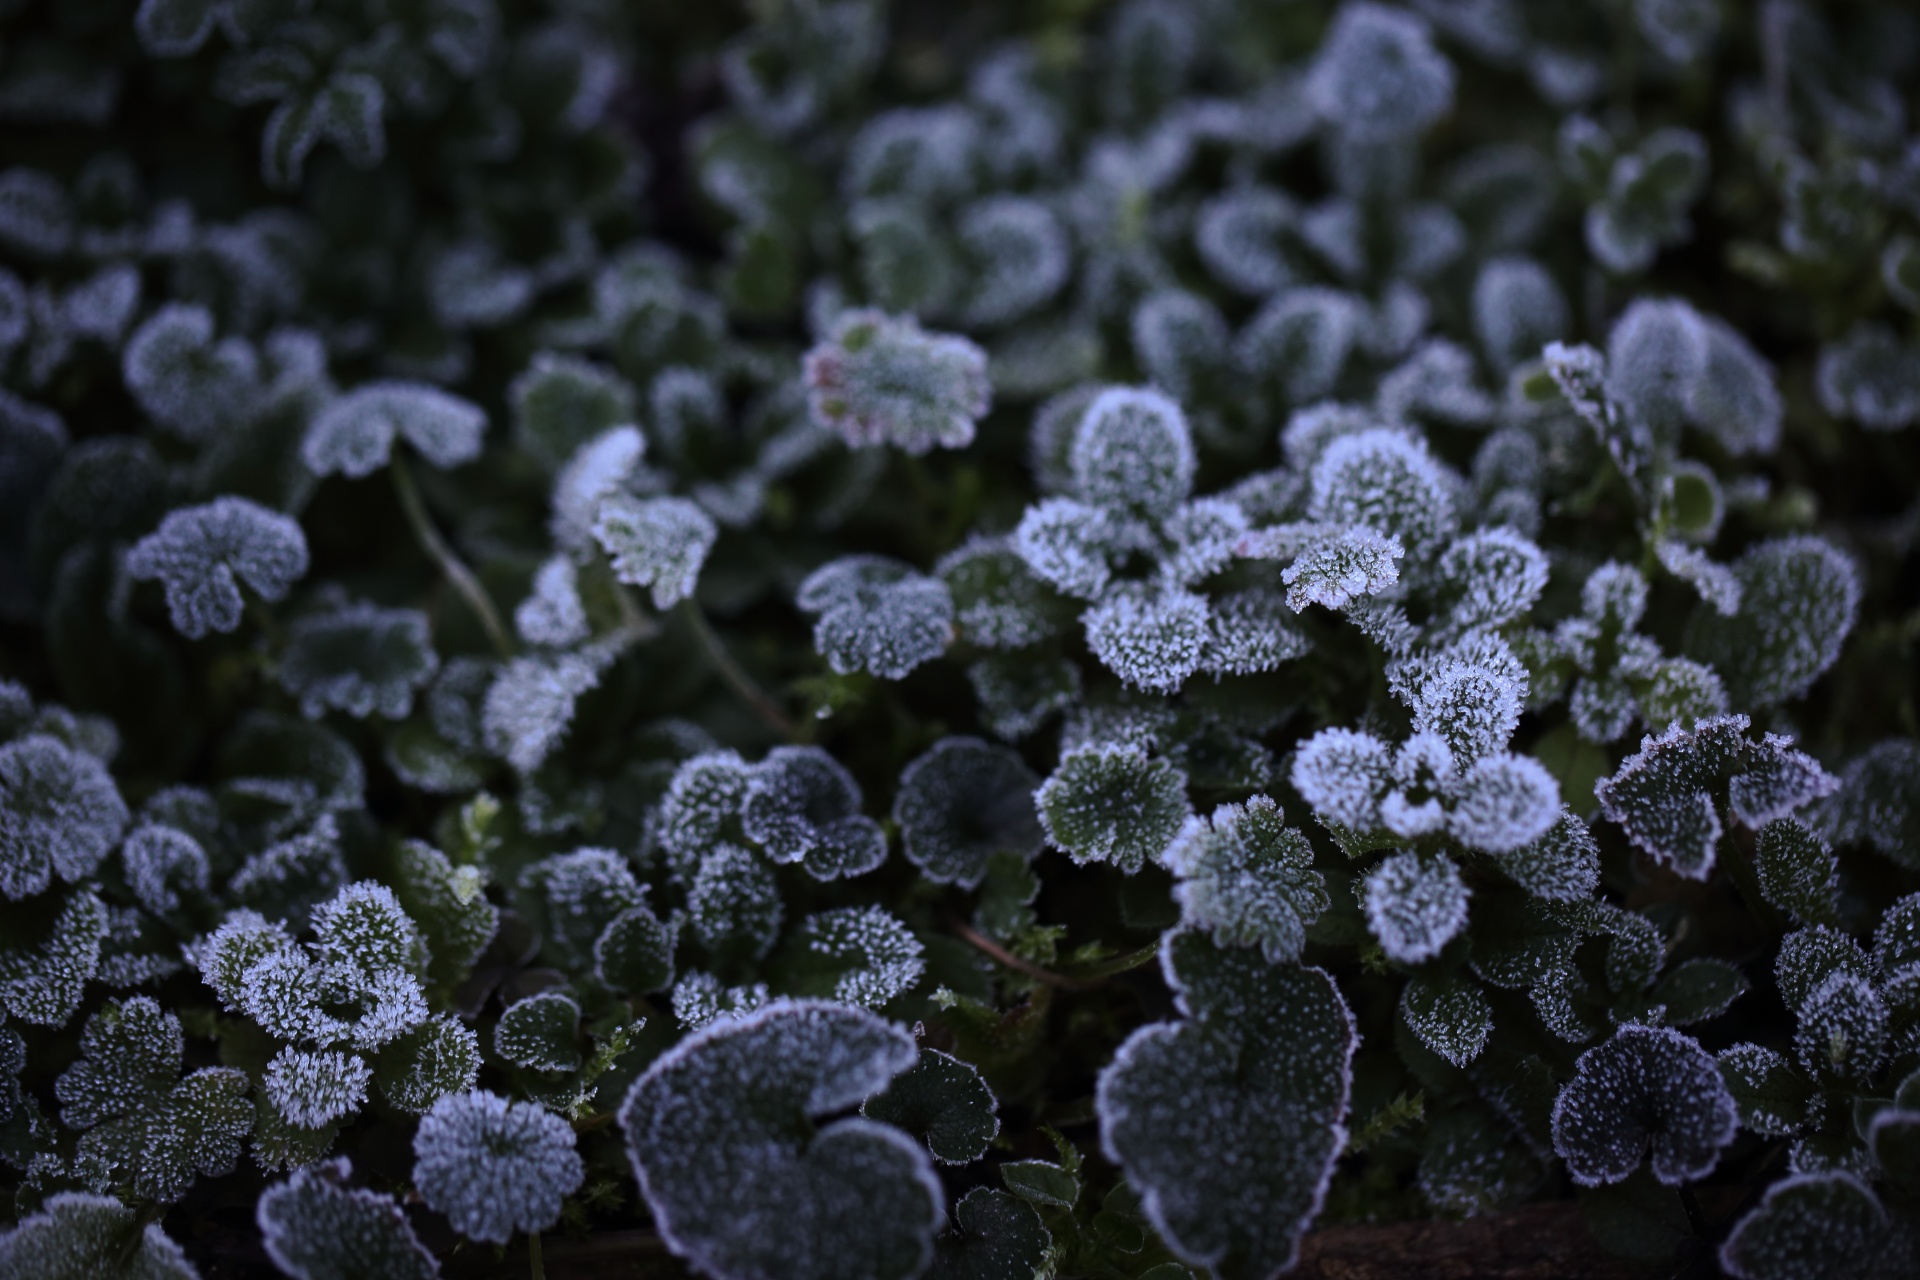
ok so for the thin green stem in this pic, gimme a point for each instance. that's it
(733, 673)
(451, 565)
(534, 1264)
(1019, 964)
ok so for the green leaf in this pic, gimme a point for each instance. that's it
(943, 1102)
(1041, 1182)
(1112, 804)
(993, 1236)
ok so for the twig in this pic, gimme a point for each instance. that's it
(443, 555)
(733, 673)
(980, 942)
(534, 1264)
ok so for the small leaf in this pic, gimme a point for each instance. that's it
(1112, 804)
(1450, 1014)
(317, 1228)
(943, 1102)
(203, 553)
(1648, 1094)
(993, 1236)
(655, 542)
(494, 1167)
(354, 434)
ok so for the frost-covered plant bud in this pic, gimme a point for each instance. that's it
(187, 380)
(1649, 1094)
(310, 1088)
(655, 542)
(876, 615)
(1872, 377)
(60, 814)
(1517, 310)
(1151, 639)
(1247, 878)
(1386, 481)
(494, 1167)
(802, 805)
(962, 802)
(1133, 452)
(358, 658)
(878, 379)
(354, 434)
(1415, 905)
(1108, 803)
(722, 1134)
(202, 554)
(1378, 76)
(316, 1228)
(1343, 774)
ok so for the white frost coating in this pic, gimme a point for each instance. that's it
(1415, 905)
(1656, 353)
(871, 954)
(309, 1088)
(1133, 452)
(876, 615)
(495, 1167)
(1517, 310)
(599, 468)
(530, 704)
(1357, 564)
(1504, 803)
(1247, 878)
(879, 379)
(1388, 482)
(1378, 76)
(655, 542)
(160, 862)
(553, 615)
(1717, 584)
(1871, 376)
(317, 1228)
(1066, 543)
(1494, 577)
(60, 815)
(202, 554)
(1649, 1094)
(75, 1234)
(358, 658)
(1812, 1225)
(1343, 774)
(187, 380)
(1240, 237)
(354, 434)
(1023, 254)
(1151, 640)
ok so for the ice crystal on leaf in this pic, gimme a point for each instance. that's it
(876, 615)
(1825, 1224)
(358, 658)
(1878, 802)
(1066, 543)
(1152, 640)
(530, 706)
(1649, 1094)
(1247, 878)
(993, 1233)
(1343, 773)
(313, 1087)
(597, 470)
(881, 380)
(203, 553)
(540, 1033)
(553, 614)
(857, 955)
(354, 434)
(1132, 452)
(1798, 598)
(802, 805)
(60, 814)
(1493, 577)
(162, 863)
(1357, 564)
(493, 1166)
(187, 380)
(317, 1228)
(560, 403)
(79, 1234)
(46, 961)
(1415, 905)
(722, 1133)
(1112, 804)
(943, 1101)
(1517, 310)
(962, 802)
(1387, 482)
(655, 542)
(1228, 1123)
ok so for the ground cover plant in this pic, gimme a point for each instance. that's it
(844, 641)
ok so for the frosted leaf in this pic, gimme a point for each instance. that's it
(598, 469)
(1435, 383)
(365, 927)
(152, 1129)
(309, 1088)
(494, 1167)
(925, 153)
(162, 863)
(1019, 694)
(561, 403)
(49, 956)
(1298, 343)
(1719, 586)
(878, 379)
(540, 1033)
(1561, 866)
(1734, 399)
(1241, 237)
(722, 1134)
(1228, 1124)
(1772, 1096)
(702, 799)
(60, 814)
(583, 892)
(287, 879)
(79, 1234)
(699, 1000)
(1132, 452)
(1343, 774)
(962, 802)
(1664, 797)
(1812, 1225)
(1386, 481)
(1648, 193)
(1471, 1165)
(185, 379)
(1808, 957)
(347, 108)
(1505, 802)
(1682, 30)
(530, 705)
(1872, 377)
(943, 1101)
(634, 953)
(876, 615)
(1357, 564)
(1799, 597)
(1247, 878)
(733, 903)
(1203, 535)
(1022, 255)
(655, 542)
(1112, 804)
(1182, 343)
(1414, 905)
(1470, 695)
(552, 615)
(317, 1228)
(1067, 544)
(999, 603)
(802, 805)
(202, 554)
(1450, 1014)
(1249, 632)
(357, 658)
(354, 434)
(242, 940)
(439, 1057)
(1151, 640)
(1377, 76)
(1649, 1094)
(1843, 1029)
(1797, 872)
(1493, 577)
(855, 955)
(1517, 310)
(1656, 354)
(1878, 802)
(1896, 942)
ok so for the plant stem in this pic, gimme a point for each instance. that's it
(979, 941)
(451, 565)
(733, 673)
(534, 1264)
